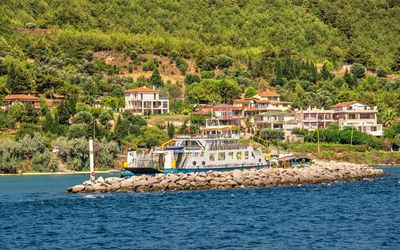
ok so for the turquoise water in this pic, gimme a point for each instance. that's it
(36, 213)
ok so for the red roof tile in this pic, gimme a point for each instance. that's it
(267, 94)
(141, 90)
(343, 104)
(225, 107)
(262, 101)
(21, 97)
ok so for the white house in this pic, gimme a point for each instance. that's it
(145, 101)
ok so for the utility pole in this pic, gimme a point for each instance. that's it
(319, 148)
(351, 137)
(91, 160)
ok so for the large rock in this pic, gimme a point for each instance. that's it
(100, 187)
(76, 189)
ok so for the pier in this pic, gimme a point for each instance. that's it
(320, 172)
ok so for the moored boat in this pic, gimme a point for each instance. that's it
(217, 148)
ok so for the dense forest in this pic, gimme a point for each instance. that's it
(313, 52)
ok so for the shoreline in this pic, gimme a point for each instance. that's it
(59, 173)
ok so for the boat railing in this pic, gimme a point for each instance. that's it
(228, 147)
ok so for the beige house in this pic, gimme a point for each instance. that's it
(26, 99)
(359, 116)
(145, 101)
(277, 120)
(271, 100)
(313, 118)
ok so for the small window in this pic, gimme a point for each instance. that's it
(230, 154)
(246, 155)
(221, 156)
(212, 157)
(239, 155)
(194, 163)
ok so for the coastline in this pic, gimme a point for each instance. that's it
(59, 173)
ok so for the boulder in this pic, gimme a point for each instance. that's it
(140, 183)
(113, 187)
(76, 189)
(100, 187)
(99, 180)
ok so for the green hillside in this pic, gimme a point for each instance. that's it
(362, 31)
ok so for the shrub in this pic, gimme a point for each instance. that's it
(83, 117)
(78, 130)
(381, 71)
(26, 129)
(40, 162)
(358, 70)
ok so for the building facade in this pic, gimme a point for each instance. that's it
(313, 118)
(359, 116)
(277, 120)
(145, 101)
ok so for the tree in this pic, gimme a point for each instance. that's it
(381, 71)
(389, 117)
(170, 130)
(174, 91)
(325, 73)
(250, 92)
(155, 79)
(83, 117)
(224, 61)
(66, 109)
(105, 117)
(78, 131)
(350, 79)
(358, 70)
(228, 90)
(19, 80)
(48, 123)
(190, 78)
(18, 111)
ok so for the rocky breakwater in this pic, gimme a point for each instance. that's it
(320, 172)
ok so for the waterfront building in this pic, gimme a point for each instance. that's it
(145, 101)
(25, 99)
(271, 100)
(227, 114)
(313, 118)
(359, 116)
(277, 120)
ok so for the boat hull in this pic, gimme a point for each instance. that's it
(139, 171)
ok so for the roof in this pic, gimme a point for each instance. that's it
(243, 100)
(344, 104)
(268, 94)
(21, 97)
(225, 107)
(142, 90)
(204, 111)
(277, 113)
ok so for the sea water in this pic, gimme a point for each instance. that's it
(37, 213)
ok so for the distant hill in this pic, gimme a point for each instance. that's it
(365, 31)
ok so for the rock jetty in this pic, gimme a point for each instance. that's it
(320, 172)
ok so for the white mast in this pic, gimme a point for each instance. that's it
(91, 160)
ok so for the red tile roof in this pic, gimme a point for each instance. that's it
(21, 97)
(243, 100)
(343, 104)
(225, 107)
(267, 94)
(141, 90)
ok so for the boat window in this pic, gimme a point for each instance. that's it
(246, 155)
(230, 154)
(252, 154)
(212, 157)
(239, 155)
(221, 156)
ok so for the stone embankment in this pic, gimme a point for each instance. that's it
(320, 172)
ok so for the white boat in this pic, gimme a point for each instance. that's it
(217, 148)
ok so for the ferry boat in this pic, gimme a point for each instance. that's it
(217, 148)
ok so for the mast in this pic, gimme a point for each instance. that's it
(91, 160)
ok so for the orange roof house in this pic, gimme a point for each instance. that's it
(11, 99)
(143, 89)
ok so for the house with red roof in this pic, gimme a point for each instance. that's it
(271, 100)
(145, 101)
(23, 98)
(359, 116)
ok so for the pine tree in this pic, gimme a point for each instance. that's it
(171, 130)
(325, 74)
(155, 79)
(48, 123)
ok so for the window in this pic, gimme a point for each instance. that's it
(373, 129)
(230, 154)
(367, 116)
(212, 157)
(246, 155)
(221, 156)
(239, 155)
(352, 116)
